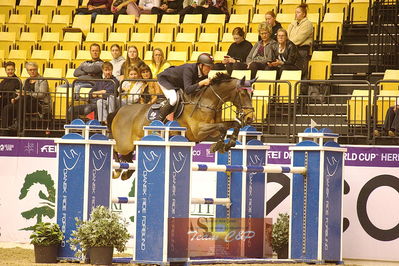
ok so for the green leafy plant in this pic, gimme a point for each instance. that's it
(280, 232)
(103, 229)
(46, 234)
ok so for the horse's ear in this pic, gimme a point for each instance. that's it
(242, 82)
(253, 80)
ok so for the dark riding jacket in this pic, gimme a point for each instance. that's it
(184, 77)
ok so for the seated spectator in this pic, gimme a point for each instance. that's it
(100, 92)
(8, 87)
(300, 32)
(158, 62)
(33, 95)
(131, 7)
(237, 53)
(132, 59)
(95, 7)
(151, 90)
(167, 7)
(261, 52)
(90, 69)
(391, 122)
(270, 18)
(285, 54)
(117, 60)
(205, 8)
(130, 91)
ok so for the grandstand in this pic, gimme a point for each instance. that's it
(355, 46)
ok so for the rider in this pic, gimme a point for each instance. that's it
(189, 77)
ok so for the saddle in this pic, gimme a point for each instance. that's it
(153, 111)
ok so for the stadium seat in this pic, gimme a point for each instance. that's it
(2, 59)
(359, 11)
(263, 75)
(384, 100)
(163, 41)
(390, 74)
(191, 24)
(184, 43)
(41, 57)
(147, 23)
(58, 23)
(71, 41)
(93, 37)
(237, 20)
(82, 22)
(316, 6)
(26, 7)
(245, 7)
(2, 70)
(177, 58)
(207, 42)
(141, 41)
(69, 75)
(331, 28)
(81, 56)
(239, 74)
(125, 23)
(219, 56)
(6, 8)
(357, 107)
(48, 7)
(283, 90)
(214, 24)
(285, 19)
(147, 57)
(49, 41)
(7, 41)
(252, 37)
(338, 6)
(2, 21)
(103, 24)
(227, 40)
(194, 56)
(19, 58)
(212, 73)
(289, 6)
(37, 24)
(27, 41)
(266, 5)
(16, 24)
(256, 20)
(320, 65)
(62, 59)
(106, 55)
(260, 102)
(169, 23)
(53, 73)
(68, 7)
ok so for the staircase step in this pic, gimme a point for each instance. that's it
(350, 58)
(320, 109)
(347, 89)
(332, 119)
(361, 48)
(348, 68)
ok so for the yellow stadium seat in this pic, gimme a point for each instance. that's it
(331, 28)
(2, 20)
(266, 5)
(191, 24)
(118, 38)
(194, 56)
(169, 23)
(338, 6)
(207, 42)
(141, 41)
(289, 6)
(320, 65)
(106, 55)
(48, 7)
(237, 20)
(103, 24)
(390, 74)
(16, 24)
(53, 73)
(163, 41)
(49, 41)
(27, 41)
(58, 23)
(212, 73)
(62, 59)
(252, 37)
(2, 71)
(26, 7)
(7, 41)
(147, 23)
(71, 41)
(93, 37)
(6, 8)
(19, 58)
(316, 6)
(37, 24)
(214, 24)
(184, 43)
(247, 10)
(219, 56)
(260, 102)
(263, 75)
(82, 22)
(256, 20)
(285, 19)
(283, 89)
(359, 11)
(385, 99)
(125, 23)
(148, 57)
(69, 75)
(239, 74)
(2, 59)
(68, 7)
(41, 57)
(177, 58)
(357, 107)
(81, 56)
(227, 40)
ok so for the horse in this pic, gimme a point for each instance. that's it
(202, 116)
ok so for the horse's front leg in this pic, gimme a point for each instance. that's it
(218, 130)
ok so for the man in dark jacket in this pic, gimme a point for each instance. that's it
(8, 87)
(189, 77)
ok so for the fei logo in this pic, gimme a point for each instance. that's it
(255, 160)
(99, 159)
(332, 165)
(179, 160)
(150, 161)
(73, 159)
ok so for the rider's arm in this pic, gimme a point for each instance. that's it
(189, 87)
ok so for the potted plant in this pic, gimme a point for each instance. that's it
(280, 235)
(97, 237)
(46, 238)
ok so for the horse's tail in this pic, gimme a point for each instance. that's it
(110, 118)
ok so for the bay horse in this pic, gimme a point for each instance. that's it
(202, 116)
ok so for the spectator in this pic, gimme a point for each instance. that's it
(300, 32)
(391, 123)
(131, 7)
(270, 18)
(117, 60)
(285, 54)
(33, 95)
(205, 8)
(133, 59)
(95, 7)
(167, 7)
(8, 87)
(158, 62)
(149, 93)
(237, 53)
(90, 69)
(100, 92)
(131, 90)
(261, 52)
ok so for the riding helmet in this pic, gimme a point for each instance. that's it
(205, 59)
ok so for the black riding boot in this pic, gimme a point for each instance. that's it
(165, 110)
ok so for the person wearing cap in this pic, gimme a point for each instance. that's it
(189, 77)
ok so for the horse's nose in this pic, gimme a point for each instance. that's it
(249, 119)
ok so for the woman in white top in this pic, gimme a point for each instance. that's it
(117, 60)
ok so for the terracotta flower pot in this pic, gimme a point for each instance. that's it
(46, 254)
(101, 255)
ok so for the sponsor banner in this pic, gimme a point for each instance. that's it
(202, 153)
(18, 147)
(372, 156)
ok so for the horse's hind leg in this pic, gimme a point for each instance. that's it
(116, 172)
(128, 159)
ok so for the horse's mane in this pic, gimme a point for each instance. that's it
(219, 78)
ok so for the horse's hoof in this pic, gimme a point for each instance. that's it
(127, 174)
(217, 146)
(115, 175)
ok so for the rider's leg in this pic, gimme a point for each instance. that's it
(166, 108)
